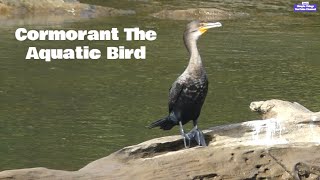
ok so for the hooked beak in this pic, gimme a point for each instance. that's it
(206, 26)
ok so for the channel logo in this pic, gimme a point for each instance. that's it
(305, 7)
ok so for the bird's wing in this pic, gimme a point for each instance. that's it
(174, 93)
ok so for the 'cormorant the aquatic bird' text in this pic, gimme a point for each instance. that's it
(84, 52)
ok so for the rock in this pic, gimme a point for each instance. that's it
(203, 14)
(283, 146)
(54, 10)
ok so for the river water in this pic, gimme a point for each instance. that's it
(65, 114)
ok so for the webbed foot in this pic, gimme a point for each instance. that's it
(197, 135)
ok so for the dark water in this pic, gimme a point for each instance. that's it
(64, 114)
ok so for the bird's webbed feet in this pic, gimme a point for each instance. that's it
(197, 135)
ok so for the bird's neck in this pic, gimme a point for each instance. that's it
(195, 62)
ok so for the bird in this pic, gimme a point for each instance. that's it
(187, 94)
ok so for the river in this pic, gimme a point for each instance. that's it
(64, 114)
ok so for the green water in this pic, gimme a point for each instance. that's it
(65, 114)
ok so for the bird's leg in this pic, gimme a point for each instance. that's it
(184, 135)
(200, 138)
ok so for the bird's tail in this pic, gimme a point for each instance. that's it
(164, 123)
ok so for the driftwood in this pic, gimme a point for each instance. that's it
(284, 145)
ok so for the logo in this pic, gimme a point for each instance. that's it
(305, 7)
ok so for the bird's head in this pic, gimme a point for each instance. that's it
(196, 28)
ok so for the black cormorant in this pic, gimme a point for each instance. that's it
(188, 92)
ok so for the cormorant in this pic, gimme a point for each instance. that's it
(188, 92)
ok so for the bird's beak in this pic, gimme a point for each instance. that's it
(206, 26)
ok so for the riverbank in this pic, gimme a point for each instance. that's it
(52, 11)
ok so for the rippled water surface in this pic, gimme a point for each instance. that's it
(64, 114)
